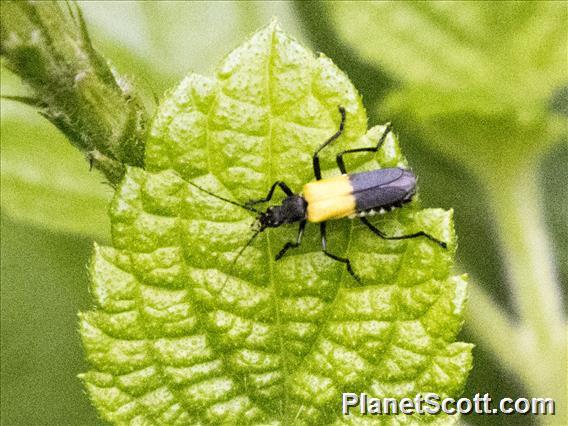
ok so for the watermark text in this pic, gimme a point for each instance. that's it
(431, 403)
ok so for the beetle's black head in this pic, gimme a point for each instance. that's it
(293, 209)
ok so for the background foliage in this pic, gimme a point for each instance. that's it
(497, 74)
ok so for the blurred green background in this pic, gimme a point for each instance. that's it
(477, 91)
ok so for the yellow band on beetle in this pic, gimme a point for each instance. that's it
(329, 198)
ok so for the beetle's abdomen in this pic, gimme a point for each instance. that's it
(382, 188)
(358, 193)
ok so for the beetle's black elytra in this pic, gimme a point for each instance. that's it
(347, 195)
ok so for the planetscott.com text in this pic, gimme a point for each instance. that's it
(430, 403)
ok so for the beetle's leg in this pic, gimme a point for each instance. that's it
(401, 237)
(315, 158)
(339, 157)
(290, 244)
(268, 197)
(335, 257)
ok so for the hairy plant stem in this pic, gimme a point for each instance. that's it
(47, 45)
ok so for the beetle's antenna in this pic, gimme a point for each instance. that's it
(249, 242)
(249, 208)
(233, 263)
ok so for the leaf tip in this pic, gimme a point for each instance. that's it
(274, 24)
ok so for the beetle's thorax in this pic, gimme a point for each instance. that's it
(292, 209)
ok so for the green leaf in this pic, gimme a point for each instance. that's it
(511, 54)
(500, 60)
(180, 336)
